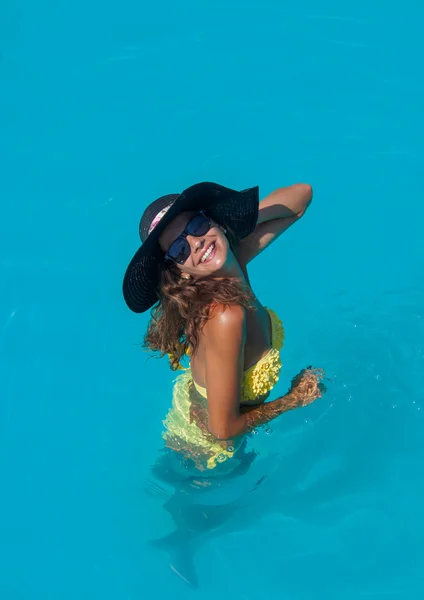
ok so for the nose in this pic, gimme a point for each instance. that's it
(196, 243)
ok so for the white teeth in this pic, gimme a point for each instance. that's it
(207, 253)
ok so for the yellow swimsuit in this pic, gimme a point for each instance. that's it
(186, 437)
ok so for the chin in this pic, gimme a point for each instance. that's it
(218, 265)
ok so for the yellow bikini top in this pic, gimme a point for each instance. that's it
(260, 378)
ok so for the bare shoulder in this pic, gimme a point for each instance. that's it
(226, 322)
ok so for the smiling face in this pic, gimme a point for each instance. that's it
(210, 254)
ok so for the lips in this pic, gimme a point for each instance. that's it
(209, 252)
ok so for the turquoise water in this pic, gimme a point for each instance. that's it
(104, 107)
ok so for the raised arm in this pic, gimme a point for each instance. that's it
(224, 371)
(277, 212)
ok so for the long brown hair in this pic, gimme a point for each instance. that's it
(184, 308)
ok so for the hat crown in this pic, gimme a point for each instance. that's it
(153, 211)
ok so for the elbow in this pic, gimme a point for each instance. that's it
(222, 433)
(308, 191)
(306, 194)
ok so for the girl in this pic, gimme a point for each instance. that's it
(192, 267)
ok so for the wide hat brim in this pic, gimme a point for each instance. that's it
(237, 210)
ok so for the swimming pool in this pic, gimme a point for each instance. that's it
(107, 106)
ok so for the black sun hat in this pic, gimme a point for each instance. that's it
(236, 210)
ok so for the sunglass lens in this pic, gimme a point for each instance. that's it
(198, 225)
(179, 250)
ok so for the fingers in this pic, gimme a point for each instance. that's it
(308, 384)
(319, 373)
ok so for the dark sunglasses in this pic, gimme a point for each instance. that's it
(180, 249)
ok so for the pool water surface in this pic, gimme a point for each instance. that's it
(105, 107)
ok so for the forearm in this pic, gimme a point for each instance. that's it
(291, 201)
(306, 387)
(248, 418)
(252, 417)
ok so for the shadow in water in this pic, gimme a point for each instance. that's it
(309, 485)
